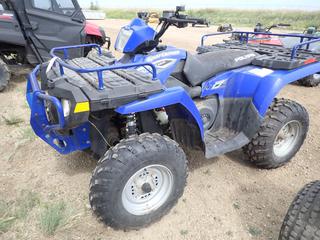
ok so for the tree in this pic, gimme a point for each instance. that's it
(94, 6)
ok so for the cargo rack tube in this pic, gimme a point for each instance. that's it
(39, 94)
(244, 37)
(99, 70)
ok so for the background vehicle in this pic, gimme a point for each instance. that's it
(149, 17)
(30, 28)
(225, 28)
(312, 30)
(265, 38)
(199, 22)
(153, 17)
(138, 113)
(302, 221)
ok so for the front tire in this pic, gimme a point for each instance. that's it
(4, 75)
(302, 221)
(311, 81)
(281, 135)
(138, 181)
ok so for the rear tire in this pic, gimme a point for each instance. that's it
(138, 181)
(4, 75)
(311, 81)
(302, 221)
(281, 135)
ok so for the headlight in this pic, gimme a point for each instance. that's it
(122, 40)
(66, 106)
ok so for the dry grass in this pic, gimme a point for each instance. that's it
(18, 210)
(12, 120)
(52, 217)
(238, 18)
(6, 216)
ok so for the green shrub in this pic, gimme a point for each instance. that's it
(52, 217)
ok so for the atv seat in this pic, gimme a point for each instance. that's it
(200, 67)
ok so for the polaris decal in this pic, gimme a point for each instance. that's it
(160, 65)
(245, 57)
(162, 55)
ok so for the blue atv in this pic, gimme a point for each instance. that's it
(139, 114)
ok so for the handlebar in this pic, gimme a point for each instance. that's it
(284, 25)
(174, 20)
(277, 25)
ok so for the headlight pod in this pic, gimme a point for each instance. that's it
(66, 106)
(122, 40)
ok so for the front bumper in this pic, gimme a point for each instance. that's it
(54, 134)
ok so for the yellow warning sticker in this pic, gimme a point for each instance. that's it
(82, 107)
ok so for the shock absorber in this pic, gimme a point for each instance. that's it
(131, 125)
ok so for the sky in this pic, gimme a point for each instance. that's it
(242, 4)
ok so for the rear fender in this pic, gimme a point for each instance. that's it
(169, 97)
(271, 85)
(92, 29)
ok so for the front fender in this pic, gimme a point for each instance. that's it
(271, 85)
(168, 97)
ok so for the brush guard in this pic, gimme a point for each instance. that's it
(57, 135)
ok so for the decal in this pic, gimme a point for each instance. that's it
(145, 69)
(160, 65)
(164, 63)
(219, 84)
(245, 57)
(162, 55)
(261, 72)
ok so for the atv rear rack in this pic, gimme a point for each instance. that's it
(270, 56)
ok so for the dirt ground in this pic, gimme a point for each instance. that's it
(225, 198)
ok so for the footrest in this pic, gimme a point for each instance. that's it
(223, 141)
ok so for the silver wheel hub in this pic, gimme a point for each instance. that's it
(316, 76)
(287, 138)
(147, 189)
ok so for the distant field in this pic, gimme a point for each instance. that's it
(246, 18)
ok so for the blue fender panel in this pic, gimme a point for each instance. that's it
(245, 83)
(170, 96)
(271, 85)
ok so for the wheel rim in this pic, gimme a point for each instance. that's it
(147, 190)
(287, 138)
(316, 76)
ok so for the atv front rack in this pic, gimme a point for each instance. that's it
(98, 70)
(35, 92)
(270, 56)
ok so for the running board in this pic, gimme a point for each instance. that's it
(223, 141)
